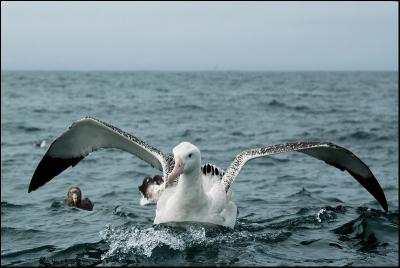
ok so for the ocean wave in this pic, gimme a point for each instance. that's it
(384, 138)
(83, 254)
(332, 199)
(189, 107)
(275, 104)
(48, 248)
(306, 210)
(301, 108)
(114, 193)
(163, 90)
(237, 133)
(120, 211)
(310, 241)
(19, 231)
(371, 230)
(6, 205)
(302, 192)
(41, 110)
(364, 135)
(309, 218)
(130, 241)
(299, 222)
(28, 129)
(361, 135)
(10, 205)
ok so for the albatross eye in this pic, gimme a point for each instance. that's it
(190, 155)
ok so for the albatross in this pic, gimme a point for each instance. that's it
(187, 190)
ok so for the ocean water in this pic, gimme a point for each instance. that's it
(293, 209)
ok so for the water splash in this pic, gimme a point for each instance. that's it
(140, 241)
(127, 240)
(320, 212)
(327, 214)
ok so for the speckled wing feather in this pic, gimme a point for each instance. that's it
(332, 154)
(87, 135)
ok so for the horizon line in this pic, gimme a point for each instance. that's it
(191, 70)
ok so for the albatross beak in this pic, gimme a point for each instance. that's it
(178, 169)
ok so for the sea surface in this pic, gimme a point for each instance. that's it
(293, 209)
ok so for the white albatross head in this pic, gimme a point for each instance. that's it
(187, 160)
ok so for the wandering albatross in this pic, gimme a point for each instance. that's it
(188, 190)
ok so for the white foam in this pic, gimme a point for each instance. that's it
(123, 241)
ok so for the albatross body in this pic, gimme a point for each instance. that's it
(188, 190)
(196, 197)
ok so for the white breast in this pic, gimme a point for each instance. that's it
(212, 204)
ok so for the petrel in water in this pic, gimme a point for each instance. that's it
(74, 199)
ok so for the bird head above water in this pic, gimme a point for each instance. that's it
(74, 199)
(74, 196)
(187, 160)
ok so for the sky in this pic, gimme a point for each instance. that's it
(266, 36)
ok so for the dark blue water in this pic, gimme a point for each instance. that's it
(293, 209)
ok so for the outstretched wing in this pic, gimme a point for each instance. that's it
(332, 154)
(87, 135)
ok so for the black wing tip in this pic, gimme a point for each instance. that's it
(372, 185)
(31, 188)
(35, 183)
(385, 207)
(379, 195)
(48, 168)
(382, 200)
